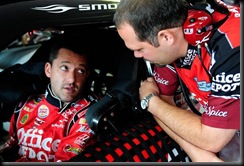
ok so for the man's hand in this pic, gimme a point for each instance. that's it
(148, 86)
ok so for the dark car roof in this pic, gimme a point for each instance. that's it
(18, 16)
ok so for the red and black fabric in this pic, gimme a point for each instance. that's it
(143, 141)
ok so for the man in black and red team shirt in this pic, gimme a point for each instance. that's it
(202, 41)
(52, 126)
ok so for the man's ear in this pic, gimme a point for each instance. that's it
(165, 37)
(48, 67)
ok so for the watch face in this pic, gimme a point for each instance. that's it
(144, 104)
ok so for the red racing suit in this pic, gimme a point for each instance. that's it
(46, 130)
(218, 91)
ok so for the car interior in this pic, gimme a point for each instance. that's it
(126, 132)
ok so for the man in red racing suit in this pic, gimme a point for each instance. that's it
(219, 94)
(52, 126)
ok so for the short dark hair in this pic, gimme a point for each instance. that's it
(148, 17)
(71, 43)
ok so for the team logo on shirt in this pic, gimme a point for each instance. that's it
(212, 112)
(160, 79)
(43, 111)
(33, 144)
(190, 56)
(226, 82)
(82, 139)
(39, 122)
(203, 85)
(28, 109)
(70, 148)
(24, 118)
(82, 121)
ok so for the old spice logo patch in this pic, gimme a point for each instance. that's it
(43, 111)
(159, 79)
(211, 111)
(24, 118)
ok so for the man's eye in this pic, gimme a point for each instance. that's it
(64, 67)
(81, 71)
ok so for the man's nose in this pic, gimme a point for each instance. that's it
(71, 77)
(137, 54)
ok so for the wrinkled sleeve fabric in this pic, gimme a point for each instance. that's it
(166, 79)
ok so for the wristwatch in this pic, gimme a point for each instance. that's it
(145, 101)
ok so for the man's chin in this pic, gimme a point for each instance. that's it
(68, 98)
(159, 65)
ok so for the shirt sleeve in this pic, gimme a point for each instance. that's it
(166, 79)
(222, 113)
(223, 108)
